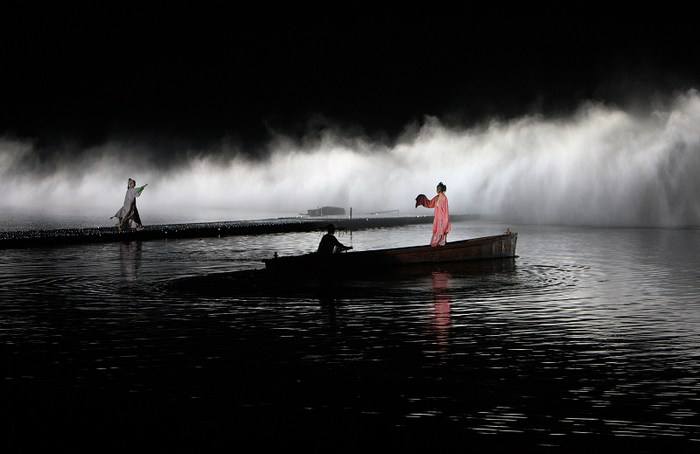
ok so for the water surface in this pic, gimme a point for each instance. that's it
(589, 339)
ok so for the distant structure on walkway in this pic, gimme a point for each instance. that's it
(327, 211)
(392, 212)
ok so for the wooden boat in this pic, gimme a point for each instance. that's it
(490, 247)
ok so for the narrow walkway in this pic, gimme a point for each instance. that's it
(43, 238)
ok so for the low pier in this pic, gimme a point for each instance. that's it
(56, 237)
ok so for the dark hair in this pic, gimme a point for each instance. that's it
(441, 186)
(330, 228)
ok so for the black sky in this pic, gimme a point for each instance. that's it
(191, 72)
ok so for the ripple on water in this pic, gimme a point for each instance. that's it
(590, 333)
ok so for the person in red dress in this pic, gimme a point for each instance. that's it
(441, 223)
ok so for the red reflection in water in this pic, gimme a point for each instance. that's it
(441, 303)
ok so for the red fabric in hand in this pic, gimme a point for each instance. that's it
(422, 200)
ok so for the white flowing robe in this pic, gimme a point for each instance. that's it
(127, 211)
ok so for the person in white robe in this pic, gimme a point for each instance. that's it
(128, 213)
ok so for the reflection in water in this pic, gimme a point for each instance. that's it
(328, 308)
(590, 339)
(441, 304)
(130, 259)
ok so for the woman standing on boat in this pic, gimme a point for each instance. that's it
(441, 223)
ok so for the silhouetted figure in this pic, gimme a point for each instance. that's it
(329, 244)
(128, 212)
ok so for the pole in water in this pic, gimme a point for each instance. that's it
(351, 226)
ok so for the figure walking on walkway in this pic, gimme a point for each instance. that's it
(128, 212)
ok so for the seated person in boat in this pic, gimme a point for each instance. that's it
(329, 243)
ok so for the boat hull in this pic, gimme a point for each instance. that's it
(486, 248)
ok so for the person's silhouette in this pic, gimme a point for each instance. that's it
(329, 244)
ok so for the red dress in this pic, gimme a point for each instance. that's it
(441, 223)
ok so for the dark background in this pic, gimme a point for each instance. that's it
(198, 72)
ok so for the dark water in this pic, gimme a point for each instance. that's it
(589, 340)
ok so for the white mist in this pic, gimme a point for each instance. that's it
(600, 166)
